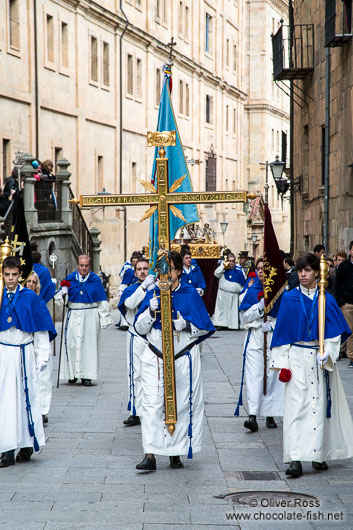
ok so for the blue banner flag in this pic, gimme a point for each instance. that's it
(177, 168)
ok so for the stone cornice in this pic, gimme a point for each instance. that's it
(265, 107)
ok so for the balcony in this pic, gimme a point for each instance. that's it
(338, 22)
(293, 52)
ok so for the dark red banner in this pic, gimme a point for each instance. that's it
(275, 279)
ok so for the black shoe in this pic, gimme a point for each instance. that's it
(175, 462)
(147, 464)
(7, 459)
(123, 328)
(72, 381)
(320, 466)
(295, 469)
(270, 423)
(251, 423)
(132, 421)
(45, 418)
(24, 454)
(86, 382)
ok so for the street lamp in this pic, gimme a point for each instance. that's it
(277, 168)
(254, 238)
(224, 226)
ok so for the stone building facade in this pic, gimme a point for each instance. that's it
(324, 215)
(63, 86)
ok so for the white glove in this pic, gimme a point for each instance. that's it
(179, 322)
(200, 291)
(262, 304)
(65, 290)
(322, 359)
(148, 281)
(41, 366)
(154, 303)
(266, 327)
(54, 280)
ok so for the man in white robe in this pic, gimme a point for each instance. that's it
(231, 282)
(87, 313)
(25, 324)
(317, 424)
(271, 404)
(128, 277)
(129, 304)
(191, 324)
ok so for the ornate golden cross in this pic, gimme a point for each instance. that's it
(164, 200)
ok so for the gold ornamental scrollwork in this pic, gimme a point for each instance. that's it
(161, 138)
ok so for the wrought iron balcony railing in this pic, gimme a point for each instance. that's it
(338, 22)
(293, 51)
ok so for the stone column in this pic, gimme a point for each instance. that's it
(63, 176)
(27, 172)
(96, 249)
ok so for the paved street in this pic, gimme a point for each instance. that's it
(85, 476)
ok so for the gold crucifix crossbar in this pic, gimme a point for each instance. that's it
(164, 200)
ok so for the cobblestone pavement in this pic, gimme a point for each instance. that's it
(85, 476)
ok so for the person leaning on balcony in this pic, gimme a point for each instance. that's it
(344, 296)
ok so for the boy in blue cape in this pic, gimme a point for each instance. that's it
(317, 424)
(231, 282)
(252, 313)
(88, 312)
(128, 277)
(192, 274)
(191, 325)
(47, 285)
(129, 304)
(26, 328)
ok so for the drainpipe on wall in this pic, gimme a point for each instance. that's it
(36, 95)
(327, 148)
(121, 124)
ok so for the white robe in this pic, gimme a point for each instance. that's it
(46, 384)
(80, 355)
(156, 438)
(135, 347)
(307, 434)
(13, 415)
(259, 404)
(227, 301)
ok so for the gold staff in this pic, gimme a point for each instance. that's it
(5, 252)
(322, 305)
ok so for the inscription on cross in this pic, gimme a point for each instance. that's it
(164, 200)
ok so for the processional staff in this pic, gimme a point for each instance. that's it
(322, 305)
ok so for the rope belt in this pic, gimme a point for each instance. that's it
(131, 376)
(327, 378)
(26, 391)
(185, 351)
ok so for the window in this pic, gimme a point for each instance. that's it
(227, 117)
(94, 59)
(234, 121)
(273, 140)
(100, 173)
(227, 53)
(187, 100)
(50, 38)
(284, 147)
(158, 9)
(211, 173)
(180, 16)
(186, 31)
(208, 33)
(130, 75)
(181, 97)
(64, 45)
(6, 157)
(106, 67)
(133, 176)
(234, 58)
(139, 78)
(277, 143)
(14, 24)
(158, 87)
(58, 154)
(209, 109)
(165, 11)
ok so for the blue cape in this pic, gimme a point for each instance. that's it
(93, 290)
(127, 265)
(29, 313)
(247, 283)
(194, 277)
(129, 277)
(47, 287)
(129, 291)
(291, 325)
(235, 275)
(251, 298)
(190, 305)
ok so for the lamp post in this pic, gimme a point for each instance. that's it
(277, 168)
(224, 226)
(254, 238)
